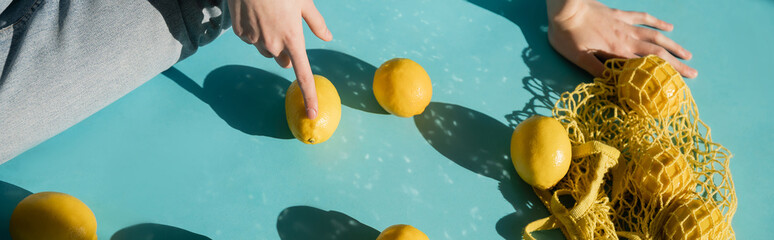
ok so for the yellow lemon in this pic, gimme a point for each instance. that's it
(696, 219)
(52, 216)
(402, 87)
(662, 173)
(402, 232)
(651, 87)
(541, 151)
(328, 114)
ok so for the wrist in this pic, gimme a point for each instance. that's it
(563, 10)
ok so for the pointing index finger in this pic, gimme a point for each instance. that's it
(297, 52)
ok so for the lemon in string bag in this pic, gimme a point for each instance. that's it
(650, 87)
(662, 173)
(643, 108)
(695, 219)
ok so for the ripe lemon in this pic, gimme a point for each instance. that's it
(696, 219)
(53, 216)
(541, 151)
(402, 232)
(402, 87)
(328, 114)
(662, 173)
(651, 87)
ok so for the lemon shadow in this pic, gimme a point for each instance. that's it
(156, 232)
(481, 144)
(309, 223)
(10, 196)
(352, 77)
(248, 99)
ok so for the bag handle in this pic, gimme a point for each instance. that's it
(561, 216)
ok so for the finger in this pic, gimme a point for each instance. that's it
(646, 48)
(656, 37)
(316, 23)
(244, 39)
(244, 35)
(273, 46)
(236, 24)
(303, 71)
(643, 18)
(263, 50)
(250, 33)
(283, 60)
(590, 63)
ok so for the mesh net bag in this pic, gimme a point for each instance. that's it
(644, 165)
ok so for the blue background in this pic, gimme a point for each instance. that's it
(202, 151)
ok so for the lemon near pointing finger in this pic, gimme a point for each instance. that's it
(402, 232)
(320, 129)
(401, 86)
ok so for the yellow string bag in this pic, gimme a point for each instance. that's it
(644, 165)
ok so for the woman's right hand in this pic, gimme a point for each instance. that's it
(274, 27)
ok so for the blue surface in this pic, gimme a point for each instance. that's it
(193, 162)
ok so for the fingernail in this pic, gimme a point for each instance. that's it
(692, 73)
(330, 35)
(311, 113)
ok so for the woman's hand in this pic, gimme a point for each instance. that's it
(274, 27)
(582, 30)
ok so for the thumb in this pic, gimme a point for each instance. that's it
(316, 22)
(590, 63)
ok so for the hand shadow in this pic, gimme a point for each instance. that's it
(250, 100)
(545, 64)
(156, 232)
(10, 196)
(309, 223)
(352, 77)
(481, 144)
